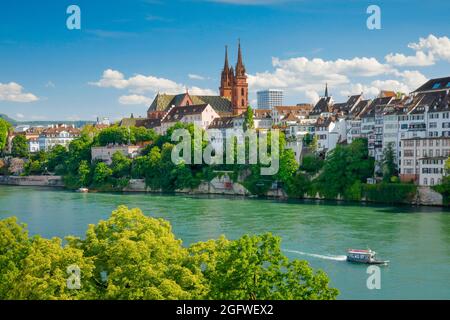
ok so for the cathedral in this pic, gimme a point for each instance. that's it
(233, 84)
(232, 101)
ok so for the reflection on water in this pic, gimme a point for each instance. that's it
(415, 239)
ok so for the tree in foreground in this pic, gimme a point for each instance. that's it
(132, 256)
(254, 268)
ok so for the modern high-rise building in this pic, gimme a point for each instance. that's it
(268, 99)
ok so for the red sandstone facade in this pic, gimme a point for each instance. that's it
(233, 84)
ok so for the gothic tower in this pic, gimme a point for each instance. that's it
(239, 98)
(227, 78)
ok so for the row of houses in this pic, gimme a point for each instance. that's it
(416, 125)
(46, 138)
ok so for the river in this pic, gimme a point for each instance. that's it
(416, 240)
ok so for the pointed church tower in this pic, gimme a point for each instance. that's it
(326, 90)
(226, 81)
(240, 86)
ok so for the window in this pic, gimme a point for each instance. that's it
(408, 153)
(448, 85)
(436, 86)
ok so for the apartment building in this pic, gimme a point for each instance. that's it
(423, 159)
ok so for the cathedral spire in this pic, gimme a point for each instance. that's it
(226, 81)
(240, 68)
(225, 67)
(326, 90)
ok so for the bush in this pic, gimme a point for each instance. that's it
(390, 192)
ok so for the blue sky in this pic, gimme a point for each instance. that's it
(126, 51)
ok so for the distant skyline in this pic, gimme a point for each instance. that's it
(127, 51)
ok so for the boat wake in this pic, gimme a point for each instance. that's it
(319, 256)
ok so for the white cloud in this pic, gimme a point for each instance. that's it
(135, 99)
(312, 96)
(428, 51)
(20, 115)
(201, 92)
(421, 59)
(14, 92)
(140, 84)
(352, 75)
(195, 77)
(308, 76)
(407, 82)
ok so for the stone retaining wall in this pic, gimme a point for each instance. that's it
(35, 181)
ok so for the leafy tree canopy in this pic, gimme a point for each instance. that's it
(132, 256)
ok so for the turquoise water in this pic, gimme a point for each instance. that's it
(415, 240)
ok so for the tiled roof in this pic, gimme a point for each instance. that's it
(222, 123)
(360, 107)
(148, 123)
(324, 122)
(52, 132)
(435, 101)
(290, 117)
(218, 103)
(177, 113)
(323, 105)
(376, 107)
(163, 102)
(128, 122)
(262, 114)
(435, 85)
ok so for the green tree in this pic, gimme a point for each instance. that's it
(138, 257)
(307, 139)
(311, 163)
(5, 126)
(314, 145)
(36, 268)
(84, 174)
(298, 185)
(288, 166)
(57, 157)
(389, 165)
(19, 147)
(132, 256)
(248, 120)
(102, 174)
(141, 134)
(121, 165)
(113, 135)
(343, 167)
(254, 268)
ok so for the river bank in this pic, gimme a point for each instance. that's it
(223, 185)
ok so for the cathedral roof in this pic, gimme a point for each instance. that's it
(163, 102)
